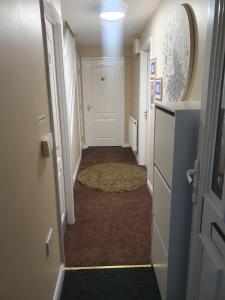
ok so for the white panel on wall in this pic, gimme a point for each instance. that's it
(70, 66)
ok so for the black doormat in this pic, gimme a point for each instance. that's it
(111, 284)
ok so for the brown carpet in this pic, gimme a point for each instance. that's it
(111, 228)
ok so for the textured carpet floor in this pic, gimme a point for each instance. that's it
(115, 284)
(111, 228)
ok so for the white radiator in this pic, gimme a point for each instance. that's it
(132, 133)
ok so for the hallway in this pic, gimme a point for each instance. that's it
(111, 228)
(112, 160)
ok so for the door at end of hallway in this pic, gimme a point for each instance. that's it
(103, 91)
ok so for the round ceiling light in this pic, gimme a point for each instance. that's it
(113, 10)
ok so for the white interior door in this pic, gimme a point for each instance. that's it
(212, 237)
(207, 268)
(56, 119)
(143, 128)
(103, 91)
(147, 110)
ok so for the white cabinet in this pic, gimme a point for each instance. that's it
(176, 132)
(212, 281)
(164, 144)
(162, 206)
(160, 260)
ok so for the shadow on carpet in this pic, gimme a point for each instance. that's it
(111, 284)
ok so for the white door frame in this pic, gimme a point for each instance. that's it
(86, 60)
(56, 123)
(143, 122)
(51, 14)
(213, 73)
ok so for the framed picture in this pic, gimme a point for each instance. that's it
(153, 67)
(152, 91)
(158, 88)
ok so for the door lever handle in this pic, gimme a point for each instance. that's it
(190, 176)
(193, 180)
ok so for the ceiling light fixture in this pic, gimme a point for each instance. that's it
(113, 10)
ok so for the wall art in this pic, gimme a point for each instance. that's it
(153, 67)
(158, 89)
(178, 53)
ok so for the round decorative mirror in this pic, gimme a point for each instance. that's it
(178, 53)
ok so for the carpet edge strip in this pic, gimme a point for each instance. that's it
(106, 267)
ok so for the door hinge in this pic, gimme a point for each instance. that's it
(146, 114)
(49, 58)
(89, 107)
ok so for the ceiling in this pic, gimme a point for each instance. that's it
(83, 18)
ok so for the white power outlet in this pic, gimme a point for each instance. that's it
(48, 242)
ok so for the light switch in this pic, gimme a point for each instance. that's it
(48, 242)
(47, 145)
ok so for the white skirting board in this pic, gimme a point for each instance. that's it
(84, 146)
(125, 145)
(77, 169)
(59, 283)
(150, 187)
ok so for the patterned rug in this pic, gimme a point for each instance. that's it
(113, 177)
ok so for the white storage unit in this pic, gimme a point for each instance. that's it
(176, 133)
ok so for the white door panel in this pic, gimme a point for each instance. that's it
(103, 91)
(164, 144)
(162, 207)
(56, 120)
(144, 107)
(160, 258)
(212, 272)
(103, 101)
(213, 226)
(105, 128)
(210, 218)
(212, 238)
(207, 275)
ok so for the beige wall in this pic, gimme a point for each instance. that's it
(27, 185)
(95, 51)
(155, 31)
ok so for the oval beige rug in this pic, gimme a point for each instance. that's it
(113, 177)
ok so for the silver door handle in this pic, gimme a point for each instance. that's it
(190, 176)
(89, 107)
(193, 180)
